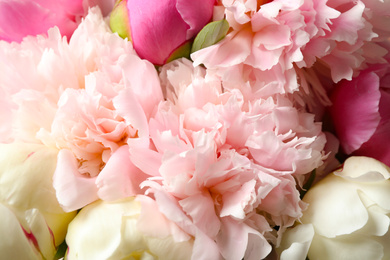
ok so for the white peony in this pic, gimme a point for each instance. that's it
(348, 215)
(32, 222)
(125, 229)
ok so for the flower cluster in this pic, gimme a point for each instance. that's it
(114, 136)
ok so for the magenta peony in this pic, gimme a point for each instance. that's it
(19, 18)
(150, 24)
(361, 114)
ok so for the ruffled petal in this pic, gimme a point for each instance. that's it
(119, 177)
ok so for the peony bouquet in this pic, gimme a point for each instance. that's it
(208, 129)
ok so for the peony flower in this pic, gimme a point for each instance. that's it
(355, 37)
(361, 113)
(90, 98)
(20, 18)
(160, 29)
(129, 228)
(266, 40)
(348, 215)
(32, 222)
(216, 150)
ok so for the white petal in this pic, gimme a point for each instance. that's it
(347, 247)
(16, 245)
(296, 242)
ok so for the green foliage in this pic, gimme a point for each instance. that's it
(210, 35)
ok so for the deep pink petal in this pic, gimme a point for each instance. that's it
(19, 18)
(355, 110)
(151, 24)
(378, 145)
(196, 14)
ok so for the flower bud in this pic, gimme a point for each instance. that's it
(161, 30)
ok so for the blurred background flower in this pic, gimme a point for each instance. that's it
(19, 18)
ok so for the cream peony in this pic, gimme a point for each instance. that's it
(348, 215)
(126, 229)
(31, 217)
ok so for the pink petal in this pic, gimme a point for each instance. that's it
(234, 49)
(151, 24)
(378, 145)
(119, 177)
(195, 13)
(234, 203)
(148, 92)
(355, 110)
(128, 107)
(205, 247)
(233, 240)
(21, 18)
(73, 190)
(200, 208)
(153, 223)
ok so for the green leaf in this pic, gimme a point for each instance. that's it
(61, 251)
(210, 34)
(182, 51)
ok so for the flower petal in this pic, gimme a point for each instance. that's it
(73, 190)
(296, 242)
(119, 177)
(355, 110)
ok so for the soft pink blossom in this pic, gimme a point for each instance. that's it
(216, 150)
(87, 98)
(352, 41)
(361, 113)
(158, 28)
(265, 41)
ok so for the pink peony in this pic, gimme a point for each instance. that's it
(216, 150)
(361, 113)
(86, 98)
(265, 41)
(158, 28)
(354, 38)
